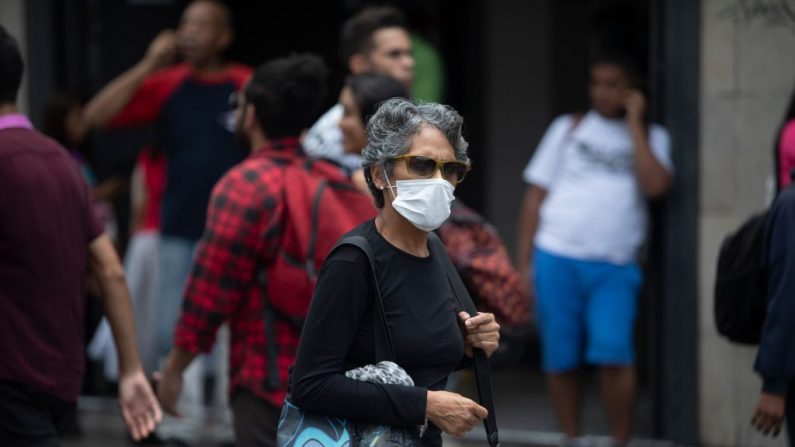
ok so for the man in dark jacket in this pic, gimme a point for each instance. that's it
(775, 361)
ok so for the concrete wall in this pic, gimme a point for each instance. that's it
(12, 17)
(747, 77)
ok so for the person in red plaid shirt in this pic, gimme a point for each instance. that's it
(241, 237)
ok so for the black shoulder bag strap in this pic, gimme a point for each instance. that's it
(482, 369)
(384, 348)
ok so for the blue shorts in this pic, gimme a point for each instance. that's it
(585, 307)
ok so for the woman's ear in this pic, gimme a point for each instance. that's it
(377, 173)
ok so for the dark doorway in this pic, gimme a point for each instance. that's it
(538, 71)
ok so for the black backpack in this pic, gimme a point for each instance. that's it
(741, 283)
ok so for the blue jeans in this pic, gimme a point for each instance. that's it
(176, 260)
(175, 263)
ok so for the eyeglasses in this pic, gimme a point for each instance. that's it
(452, 170)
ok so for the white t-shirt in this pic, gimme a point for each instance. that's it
(595, 208)
(324, 139)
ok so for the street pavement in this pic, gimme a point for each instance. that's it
(524, 415)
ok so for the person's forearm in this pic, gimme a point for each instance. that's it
(178, 360)
(108, 189)
(391, 404)
(115, 299)
(654, 179)
(106, 104)
(118, 311)
(528, 224)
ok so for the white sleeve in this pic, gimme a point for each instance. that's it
(660, 143)
(324, 138)
(546, 161)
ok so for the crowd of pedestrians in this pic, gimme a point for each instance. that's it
(245, 187)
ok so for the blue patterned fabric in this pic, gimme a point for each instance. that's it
(299, 428)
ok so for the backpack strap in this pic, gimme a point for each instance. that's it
(576, 119)
(272, 380)
(482, 369)
(384, 348)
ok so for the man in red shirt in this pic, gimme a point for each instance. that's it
(188, 105)
(241, 238)
(48, 235)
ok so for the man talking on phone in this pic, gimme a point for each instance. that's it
(181, 87)
(582, 222)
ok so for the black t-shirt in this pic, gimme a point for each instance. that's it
(338, 335)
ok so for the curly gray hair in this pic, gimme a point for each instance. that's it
(397, 120)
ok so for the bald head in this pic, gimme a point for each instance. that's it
(215, 9)
(205, 31)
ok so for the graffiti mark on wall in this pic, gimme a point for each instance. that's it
(766, 12)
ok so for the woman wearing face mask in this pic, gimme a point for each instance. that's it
(467, 236)
(414, 158)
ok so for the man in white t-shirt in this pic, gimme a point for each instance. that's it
(375, 40)
(583, 220)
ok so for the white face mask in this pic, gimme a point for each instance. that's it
(423, 202)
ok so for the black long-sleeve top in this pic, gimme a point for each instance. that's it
(338, 335)
(775, 360)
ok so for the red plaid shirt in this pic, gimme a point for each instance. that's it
(240, 238)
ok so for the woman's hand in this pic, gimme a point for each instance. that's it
(454, 414)
(482, 331)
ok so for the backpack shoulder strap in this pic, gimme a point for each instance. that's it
(384, 348)
(576, 119)
(462, 296)
(482, 369)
